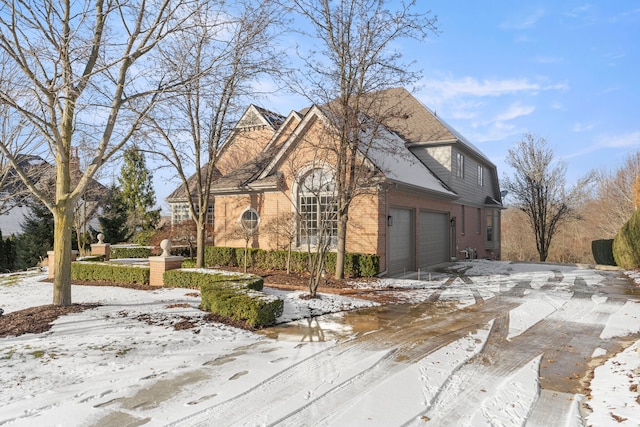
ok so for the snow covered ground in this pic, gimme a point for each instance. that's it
(125, 363)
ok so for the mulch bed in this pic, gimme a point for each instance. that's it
(36, 320)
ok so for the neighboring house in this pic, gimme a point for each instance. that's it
(431, 197)
(44, 175)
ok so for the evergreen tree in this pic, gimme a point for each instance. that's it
(138, 195)
(3, 255)
(36, 238)
(113, 222)
(9, 249)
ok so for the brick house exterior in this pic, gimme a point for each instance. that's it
(430, 196)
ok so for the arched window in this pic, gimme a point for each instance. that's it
(316, 203)
(249, 220)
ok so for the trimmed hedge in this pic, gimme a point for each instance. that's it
(130, 252)
(116, 273)
(237, 302)
(602, 251)
(235, 296)
(356, 265)
(626, 245)
(194, 279)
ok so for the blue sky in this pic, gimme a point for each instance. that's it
(566, 71)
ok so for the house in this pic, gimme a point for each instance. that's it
(17, 199)
(430, 195)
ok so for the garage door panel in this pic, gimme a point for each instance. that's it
(433, 238)
(401, 238)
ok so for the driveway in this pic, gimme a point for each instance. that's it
(516, 347)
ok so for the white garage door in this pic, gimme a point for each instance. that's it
(433, 238)
(401, 242)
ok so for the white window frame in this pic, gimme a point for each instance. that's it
(459, 164)
(252, 220)
(316, 206)
(480, 176)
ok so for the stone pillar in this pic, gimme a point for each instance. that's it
(165, 262)
(51, 262)
(101, 248)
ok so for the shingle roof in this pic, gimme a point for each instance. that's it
(179, 194)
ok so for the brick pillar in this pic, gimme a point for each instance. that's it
(101, 248)
(165, 262)
(51, 262)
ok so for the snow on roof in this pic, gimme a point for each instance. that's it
(389, 154)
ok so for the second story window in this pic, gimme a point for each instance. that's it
(459, 168)
(480, 176)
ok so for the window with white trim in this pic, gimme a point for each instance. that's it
(459, 165)
(480, 175)
(249, 220)
(316, 203)
(179, 213)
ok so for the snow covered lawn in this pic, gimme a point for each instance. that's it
(125, 362)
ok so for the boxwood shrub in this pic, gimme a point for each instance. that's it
(110, 272)
(356, 265)
(602, 251)
(626, 245)
(119, 252)
(235, 296)
(236, 301)
(195, 278)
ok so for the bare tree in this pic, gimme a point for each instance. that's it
(16, 136)
(356, 60)
(80, 76)
(227, 48)
(538, 188)
(614, 193)
(283, 229)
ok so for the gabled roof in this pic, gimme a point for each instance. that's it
(406, 121)
(387, 153)
(417, 124)
(258, 116)
(180, 195)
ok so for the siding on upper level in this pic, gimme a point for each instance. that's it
(442, 161)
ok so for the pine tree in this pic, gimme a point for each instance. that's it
(138, 195)
(113, 222)
(36, 238)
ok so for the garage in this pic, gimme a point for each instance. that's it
(401, 241)
(433, 238)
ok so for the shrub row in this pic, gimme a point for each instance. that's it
(116, 273)
(602, 251)
(118, 252)
(235, 296)
(239, 303)
(356, 265)
(194, 279)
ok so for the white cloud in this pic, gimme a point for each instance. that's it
(608, 141)
(616, 141)
(469, 86)
(514, 111)
(579, 11)
(582, 127)
(521, 23)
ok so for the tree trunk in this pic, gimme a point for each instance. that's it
(341, 247)
(63, 222)
(200, 240)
